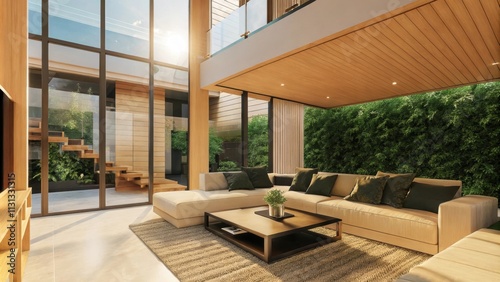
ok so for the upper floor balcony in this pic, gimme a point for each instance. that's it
(331, 53)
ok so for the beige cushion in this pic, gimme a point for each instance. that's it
(413, 224)
(473, 258)
(302, 201)
(193, 203)
(344, 184)
(213, 181)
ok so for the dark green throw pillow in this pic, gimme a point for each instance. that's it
(283, 180)
(302, 179)
(396, 188)
(322, 184)
(428, 197)
(238, 181)
(258, 176)
(368, 189)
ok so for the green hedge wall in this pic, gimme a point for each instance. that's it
(450, 134)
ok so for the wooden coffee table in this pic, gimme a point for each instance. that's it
(270, 239)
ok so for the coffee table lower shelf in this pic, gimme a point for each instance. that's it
(269, 248)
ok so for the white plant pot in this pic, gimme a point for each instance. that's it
(277, 211)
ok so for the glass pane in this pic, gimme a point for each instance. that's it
(127, 127)
(227, 31)
(73, 131)
(225, 132)
(35, 137)
(75, 21)
(127, 27)
(258, 141)
(35, 53)
(256, 14)
(171, 136)
(35, 16)
(172, 31)
(171, 78)
(71, 60)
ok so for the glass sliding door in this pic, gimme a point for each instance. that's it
(67, 116)
(258, 139)
(171, 128)
(73, 124)
(127, 131)
(225, 132)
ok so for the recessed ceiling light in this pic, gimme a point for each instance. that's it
(282, 84)
(394, 83)
(495, 63)
(327, 97)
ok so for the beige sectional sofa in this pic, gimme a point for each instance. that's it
(473, 258)
(419, 230)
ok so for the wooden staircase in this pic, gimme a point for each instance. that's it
(125, 178)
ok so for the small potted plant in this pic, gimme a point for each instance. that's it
(275, 199)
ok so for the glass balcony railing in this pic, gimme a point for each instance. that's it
(247, 19)
(238, 25)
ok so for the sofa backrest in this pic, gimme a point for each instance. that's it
(212, 181)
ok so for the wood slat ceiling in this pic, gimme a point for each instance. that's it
(443, 44)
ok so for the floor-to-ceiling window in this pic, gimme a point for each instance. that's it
(105, 76)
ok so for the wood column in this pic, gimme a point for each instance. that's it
(199, 22)
(13, 78)
(288, 136)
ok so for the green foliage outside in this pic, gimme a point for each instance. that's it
(76, 121)
(64, 166)
(228, 166)
(449, 134)
(180, 142)
(258, 141)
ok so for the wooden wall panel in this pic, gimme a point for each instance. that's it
(288, 136)
(222, 8)
(225, 112)
(131, 127)
(13, 78)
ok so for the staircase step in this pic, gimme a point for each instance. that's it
(143, 182)
(35, 122)
(35, 130)
(56, 133)
(75, 141)
(168, 188)
(117, 168)
(129, 176)
(89, 156)
(157, 181)
(74, 147)
(58, 139)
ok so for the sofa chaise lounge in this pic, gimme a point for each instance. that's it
(414, 229)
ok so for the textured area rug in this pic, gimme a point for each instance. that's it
(194, 254)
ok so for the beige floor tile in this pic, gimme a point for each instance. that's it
(93, 246)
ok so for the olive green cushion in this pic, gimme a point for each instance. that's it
(368, 189)
(396, 188)
(322, 185)
(258, 176)
(238, 181)
(302, 179)
(428, 197)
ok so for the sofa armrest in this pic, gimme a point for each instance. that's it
(461, 216)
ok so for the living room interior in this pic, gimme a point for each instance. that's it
(119, 113)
